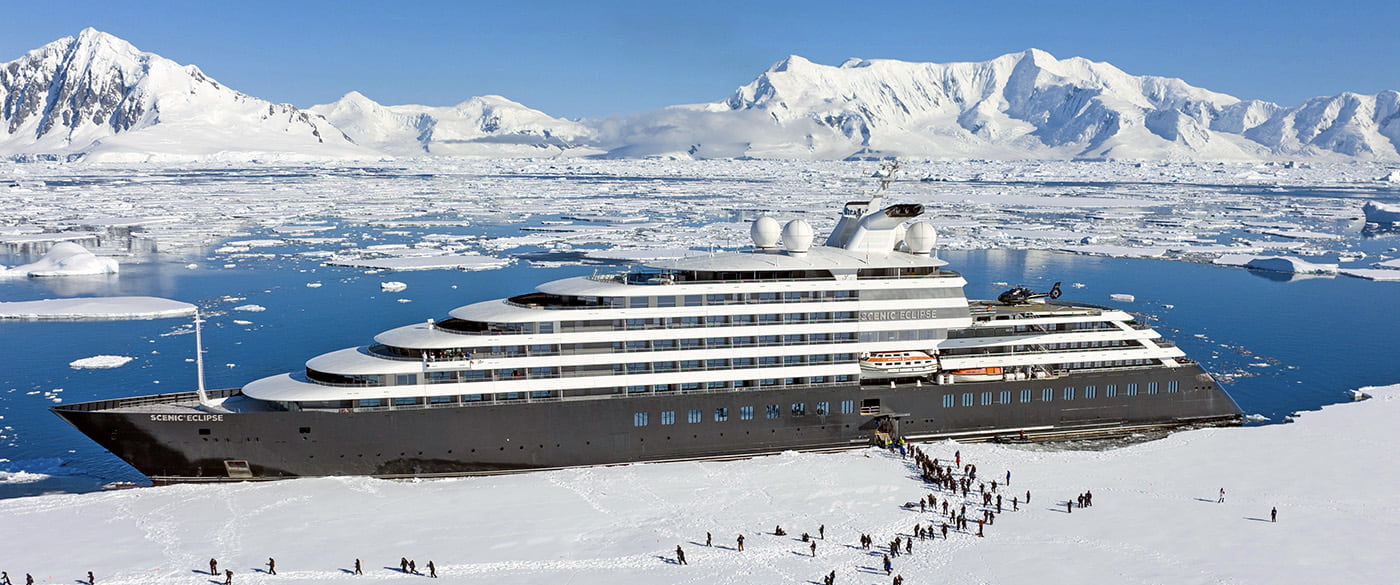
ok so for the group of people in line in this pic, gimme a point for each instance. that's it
(956, 479)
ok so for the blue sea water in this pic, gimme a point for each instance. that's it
(1282, 346)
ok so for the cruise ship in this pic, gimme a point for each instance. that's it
(789, 345)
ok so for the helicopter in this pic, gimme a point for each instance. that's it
(1020, 295)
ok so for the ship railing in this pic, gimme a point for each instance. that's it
(174, 398)
(660, 278)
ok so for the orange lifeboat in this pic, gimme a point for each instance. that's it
(977, 374)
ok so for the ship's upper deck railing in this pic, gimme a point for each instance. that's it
(668, 277)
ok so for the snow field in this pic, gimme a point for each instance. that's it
(1154, 519)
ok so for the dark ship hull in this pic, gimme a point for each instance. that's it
(169, 440)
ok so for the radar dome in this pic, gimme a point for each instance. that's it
(765, 232)
(797, 236)
(919, 238)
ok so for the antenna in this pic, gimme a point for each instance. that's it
(199, 360)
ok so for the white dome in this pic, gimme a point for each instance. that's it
(797, 236)
(765, 232)
(920, 238)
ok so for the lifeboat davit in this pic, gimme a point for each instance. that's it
(896, 364)
(977, 374)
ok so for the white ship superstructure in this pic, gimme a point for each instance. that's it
(789, 316)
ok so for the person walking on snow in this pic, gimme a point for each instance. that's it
(1222, 497)
(357, 568)
(1273, 517)
(741, 543)
(814, 549)
(91, 580)
(228, 577)
(432, 570)
(213, 567)
(889, 567)
(271, 566)
(680, 555)
(707, 539)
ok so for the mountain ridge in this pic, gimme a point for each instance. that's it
(96, 97)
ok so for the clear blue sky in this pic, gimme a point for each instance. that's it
(590, 58)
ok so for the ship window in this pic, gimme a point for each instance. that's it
(743, 362)
(639, 419)
(369, 403)
(848, 406)
(768, 360)
(694, 416)
(639, 302)
(823, 408)
(692, 343)
(794, 359)
(1151, 387)
(799, 409)
(1025, 396)
(1171, 386)
(666, 301)
(1005, 397)
(717, 364)
(471, 398)
(770, 318)
(948, 400)
(768, 382)
(637, 389)
(1090, 391)
(967, 399)
(1047, 394)
(745, 413)
(664, 366)
(407, 401)
(442, 399)
(717, 385)
(746, 341)
(816, 380)
(986, 398)
(1131, 390)
(721, 414)
(691, 365)
(1069, 393)
(694, 300)
(668, 417)
(741, 319)
(717, 342)
(442, 377)
(1110, 390)
(406, 379)
(716, 320)
(772, 411)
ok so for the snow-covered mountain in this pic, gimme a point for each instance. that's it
(481, 126)
(97, 97)
(1021, 105)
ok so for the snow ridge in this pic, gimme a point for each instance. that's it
(488, 125)
(97, 97)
